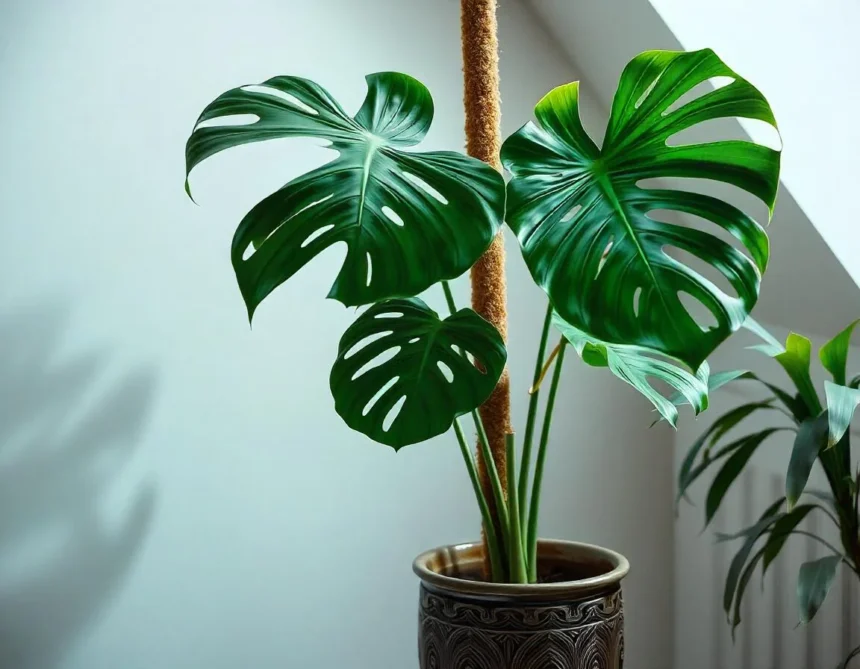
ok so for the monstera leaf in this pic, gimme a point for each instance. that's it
(402, 374)
(408, 219)
(640, 367)
(588, 229)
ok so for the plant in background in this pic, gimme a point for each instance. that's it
(821, 435)
(590, 232)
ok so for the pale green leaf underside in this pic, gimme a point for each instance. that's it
(841, 404)
(587, 229)
(640, 367)
(428, 372)
(408, 219)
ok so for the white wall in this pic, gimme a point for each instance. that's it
(176, 490)
(767, 636)
(811, 90)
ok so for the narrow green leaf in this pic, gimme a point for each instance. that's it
(782, 529)
(584, 223)
(813, 584)
(810, 440)
(639, 367)
(731, 470)
(771, 346)
(854, 382)
(401, 351)
(834, 354)
(772, 512)
(743, 582)
(841, 403)
(795, 361)
(795, 406)
(751, 536)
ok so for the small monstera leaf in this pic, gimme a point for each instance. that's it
(640, 367)
(408, 219)
(402, 374)
(589, 231)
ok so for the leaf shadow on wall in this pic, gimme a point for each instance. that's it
(68, 426)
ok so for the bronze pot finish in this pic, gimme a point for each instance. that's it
(573, 619)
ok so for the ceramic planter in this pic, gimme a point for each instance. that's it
(572, 619)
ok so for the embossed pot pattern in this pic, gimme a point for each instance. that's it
(464, 623)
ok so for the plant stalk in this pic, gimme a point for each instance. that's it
(525, 467)
(493, 550)
(497, 486)
(516, 558)
(534, 507)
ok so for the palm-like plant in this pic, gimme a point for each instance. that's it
(585, 223)
(821, 435)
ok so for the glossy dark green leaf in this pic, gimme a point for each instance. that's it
(408, 219)
(810, 440)
(795, 361)
(834, 354)
(400, 351)
(813, 584)
(743, 582)
(640, 367)
(587, 226)
(687, 474)
(731, 470)
(781, 531)
(841, 403)
(750, 535)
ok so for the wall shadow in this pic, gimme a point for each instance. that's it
(68, 425)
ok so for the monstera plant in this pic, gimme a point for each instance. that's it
(821, 435)
(590, 226)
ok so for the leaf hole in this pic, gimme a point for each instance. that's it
(730, 193)
(392, 414)
(389, 314)
(636, 294)
(377, 361)
(369, 268)
(603, 257)
(703, 316)
(427, 188)
(229, 120)
(704, 269)
(698, 91)
(446, 371)
(570, 214)
(365, 341)
(414, 340)
(275, 93)
(392, 215)
(379, 393)
(316, 234)
(647, 92)
(727, 129)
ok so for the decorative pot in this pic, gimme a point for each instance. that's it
(571, 619)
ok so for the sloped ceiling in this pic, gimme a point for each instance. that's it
(806, 288)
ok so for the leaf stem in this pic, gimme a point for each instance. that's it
(496, 567)
(525, 467)
(534, 508)
(484, 446)
(537, 384)
(516, 558)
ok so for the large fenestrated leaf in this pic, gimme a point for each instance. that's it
(587, 227)
(640, 367)
(408, 219)
(401, 352)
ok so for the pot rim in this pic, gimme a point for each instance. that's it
(620, 568)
